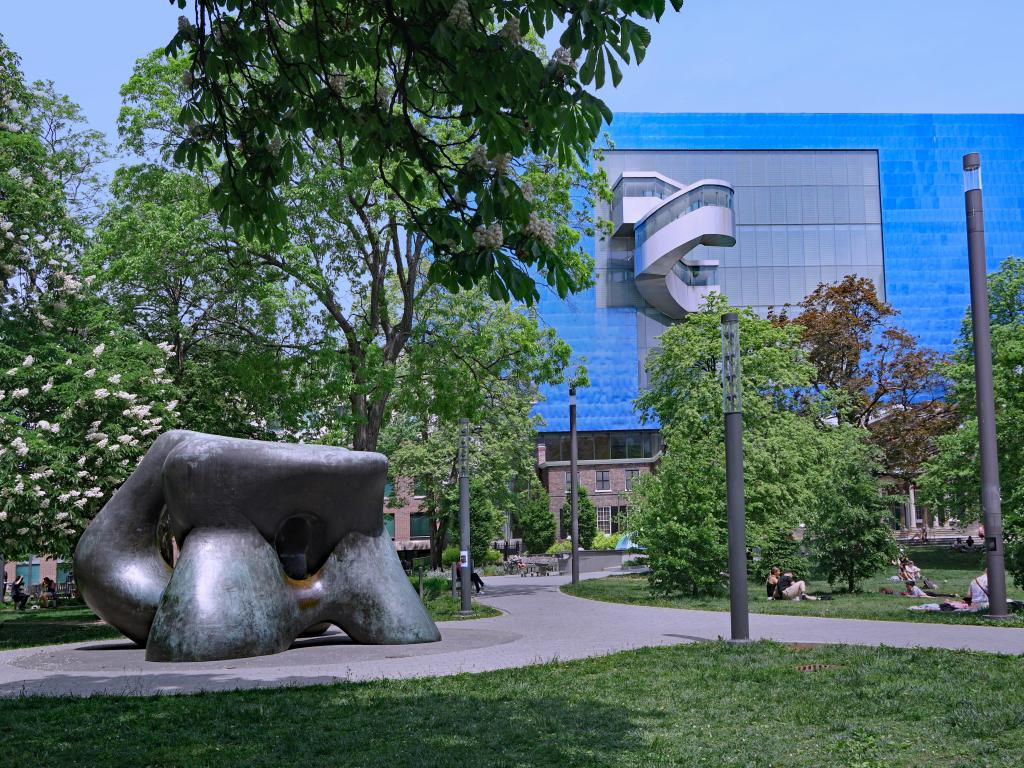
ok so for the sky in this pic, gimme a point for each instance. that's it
(713, 56)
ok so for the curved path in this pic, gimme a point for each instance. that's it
(538, 624)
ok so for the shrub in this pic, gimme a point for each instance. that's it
(587, 518)
(537, 523)
(449, 555)
(563, 545)
(605, 541)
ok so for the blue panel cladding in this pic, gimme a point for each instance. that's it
(923, 227)
(606, 339)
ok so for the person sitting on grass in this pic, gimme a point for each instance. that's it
(901, 568)
(978, 595)
(773, 580)
(789, 588)
(913, 590)
(48, 595)
(18, 594)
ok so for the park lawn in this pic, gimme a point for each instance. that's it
(77, 624)
(73, 623)
(700, 704)
(951, 571)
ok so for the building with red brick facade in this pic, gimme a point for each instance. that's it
(608, 464)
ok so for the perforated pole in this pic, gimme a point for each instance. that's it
(732, 406)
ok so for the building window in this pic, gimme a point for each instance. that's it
(631, 477)
(389, 524)
(28, 571)
(389, 488)
(64, 573)
(604, 480)
(620, 519)
(419, 487)
(604, 519)
(602, 446)
(568, 480)
(419, 526)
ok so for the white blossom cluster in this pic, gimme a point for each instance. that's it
(510, 31)
(563, 57)
(478, 159)
(459, 16)
(490, 237)
(338, 83)
(541, 230)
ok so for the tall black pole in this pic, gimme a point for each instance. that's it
(732, 405)
(574, 507)
(466, 562)
(991, 504)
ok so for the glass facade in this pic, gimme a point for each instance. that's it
(817, 196)
(709, 194)
(602, 446)
(641, 187)
(802, 218)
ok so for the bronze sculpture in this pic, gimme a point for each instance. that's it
(277, 540)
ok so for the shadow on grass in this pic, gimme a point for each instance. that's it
(393, 723)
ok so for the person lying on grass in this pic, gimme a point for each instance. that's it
(789, 588)
(913, 590)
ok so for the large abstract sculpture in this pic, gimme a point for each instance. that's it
(277, 541)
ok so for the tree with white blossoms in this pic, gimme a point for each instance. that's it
(81, 398)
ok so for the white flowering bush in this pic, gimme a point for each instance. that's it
(81, 397)
(69, 436)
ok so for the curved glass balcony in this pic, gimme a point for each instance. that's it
(686, 202)
(701, 214)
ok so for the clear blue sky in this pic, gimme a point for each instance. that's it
(715, 55)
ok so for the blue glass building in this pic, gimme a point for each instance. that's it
(817, 196)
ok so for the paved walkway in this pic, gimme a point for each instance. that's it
(538, 624)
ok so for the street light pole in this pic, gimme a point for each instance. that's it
(732, 406)
(574, 510)
(991, 504)
(465, 562)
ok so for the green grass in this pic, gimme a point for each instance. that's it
(64, 624)
(951, 571)
(704, 704)
(77, 624)
(446, 608)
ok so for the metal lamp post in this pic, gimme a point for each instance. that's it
(732, 406)
(465, 562)
(990, 501)
(574, 507)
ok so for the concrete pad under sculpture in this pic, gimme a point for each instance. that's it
(277, 540)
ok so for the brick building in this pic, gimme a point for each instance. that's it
(608, 464)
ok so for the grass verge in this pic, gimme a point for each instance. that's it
(951, 571)
(704, 704)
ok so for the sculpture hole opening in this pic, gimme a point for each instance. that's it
(292, 544)
(165, 541)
